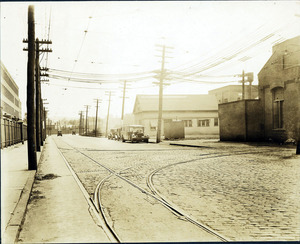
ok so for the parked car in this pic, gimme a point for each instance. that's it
(134, 133)
(59, 133)
(118, 134)
(112, 134)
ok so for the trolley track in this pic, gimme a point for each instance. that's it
(153, 192)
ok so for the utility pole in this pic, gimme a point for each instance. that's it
(123, 103)
(37, 96)
(161, 84)
(246, 77)
(43, 120)
(31, 136)
(80, 123)
(45, 123)
(243, 85)
(109, 99)
(86, 119)
(98, 100)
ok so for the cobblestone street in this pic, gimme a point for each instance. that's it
(245, 197)
(249, 195)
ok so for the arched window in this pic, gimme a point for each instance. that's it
(278, 108)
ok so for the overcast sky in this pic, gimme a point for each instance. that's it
(115, 41)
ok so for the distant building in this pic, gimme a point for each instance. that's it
(10, 101)
(198, 112)
(276, 115)
(234, 93)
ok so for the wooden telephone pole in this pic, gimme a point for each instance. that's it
(34, 109)
(109, 99)
(161, 84)
(31, 135)
(86, 119)
(97, 100)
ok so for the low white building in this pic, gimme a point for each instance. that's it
(199, 113)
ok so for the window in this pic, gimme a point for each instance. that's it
(278, 108)
(216, 122)
(203, 123)
(188, 123)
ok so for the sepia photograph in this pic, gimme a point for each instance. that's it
(150, 121)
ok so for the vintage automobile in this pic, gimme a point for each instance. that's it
(134, 133)
(112, 134)
(118, 134)
(59, 133)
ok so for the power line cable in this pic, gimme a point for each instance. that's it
(84, 36)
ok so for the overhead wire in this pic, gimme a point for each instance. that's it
(228, 48)
(182, 73)
(227, 58)
(91, 80)
(49, 25)
(93, 75)
(207, 64)
(84, 36)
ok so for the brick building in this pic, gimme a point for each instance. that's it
(279, 91)
(276, 114)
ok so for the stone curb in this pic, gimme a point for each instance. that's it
(13, 228)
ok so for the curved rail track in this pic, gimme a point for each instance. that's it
(108, 226)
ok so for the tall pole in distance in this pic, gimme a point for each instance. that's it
(161, 80)
(108, 113)
(37, 97)
(161, 83)
(97, 100)
(243, 85)
(86, 119)
(45, 123)
(31, 135)
(80, 120)
(123, 103)
(42, 122)
(82, 123)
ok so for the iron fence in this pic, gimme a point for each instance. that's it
(12, 132)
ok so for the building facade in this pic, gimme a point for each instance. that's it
(279, 91)
(12, 128)
(198, 112)
(275, 115)
(233, 93)
(10, 101)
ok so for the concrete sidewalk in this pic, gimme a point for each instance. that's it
(57, 210)
(16, 184)
(44, 205)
